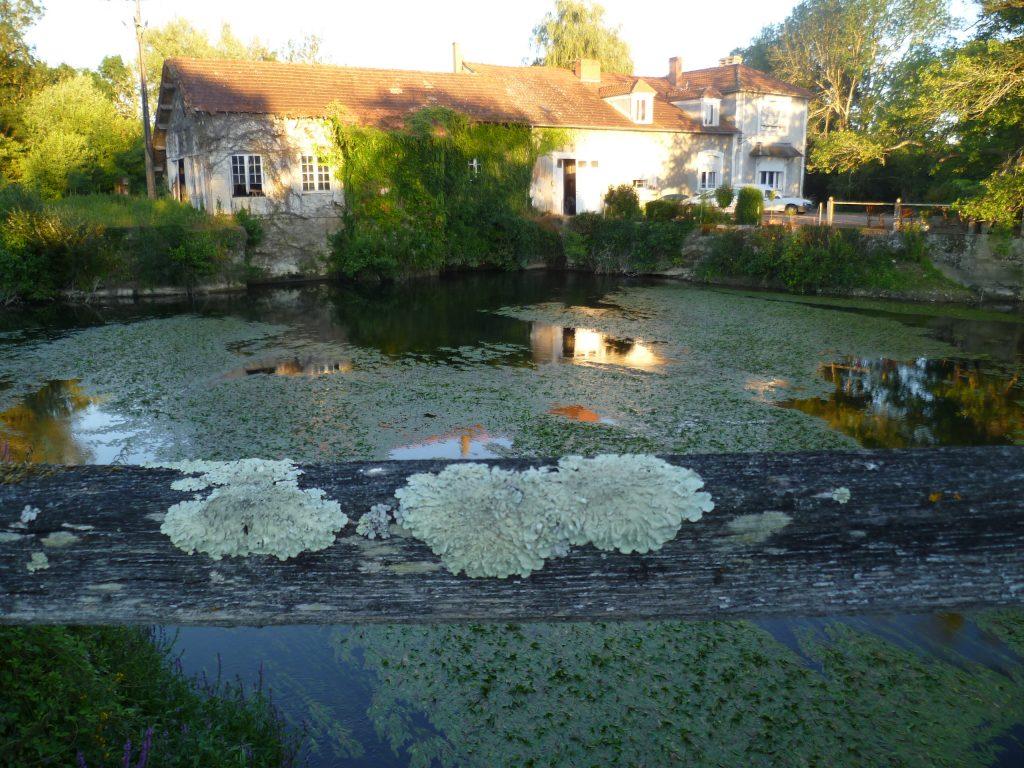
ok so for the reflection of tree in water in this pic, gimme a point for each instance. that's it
(675, 693)
(891, 404)
(38, 429)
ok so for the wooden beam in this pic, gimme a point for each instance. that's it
(923, 530)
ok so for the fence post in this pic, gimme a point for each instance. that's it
(820, 207)
(831, 210)
(897, 213)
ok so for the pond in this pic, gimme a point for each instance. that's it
(538, 364)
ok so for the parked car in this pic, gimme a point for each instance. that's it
(773, 201)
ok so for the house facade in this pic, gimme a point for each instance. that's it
(240, 134)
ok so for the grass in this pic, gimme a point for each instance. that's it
(103, 696)
(120, 211)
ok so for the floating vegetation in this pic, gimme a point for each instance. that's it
(488, 521)
(255, 508)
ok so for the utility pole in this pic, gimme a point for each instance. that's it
(146, 131)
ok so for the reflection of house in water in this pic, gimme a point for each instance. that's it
(467, 443)
(291, 367)
(552, 343)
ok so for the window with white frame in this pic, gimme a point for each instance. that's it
(772, 116)
(710, 109)
(246, 176)
(771, 180)
(316, 174)
(643, 108)
(709, 171)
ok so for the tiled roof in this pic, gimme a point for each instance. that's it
(728, 78)
(538, 96)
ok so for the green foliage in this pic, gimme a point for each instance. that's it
(442, 193)
(601, 244)
(16, 60)
(812, 259)
(576, 29)
(70, 690)
(78, 139)
(253, 227)
(621, 202)
(724, 196)
(663, 210)
(749, 206)
(80, 243)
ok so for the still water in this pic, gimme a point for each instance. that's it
(494, 365)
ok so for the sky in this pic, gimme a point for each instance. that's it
(408, 34)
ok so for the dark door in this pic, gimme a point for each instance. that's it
(569, 187)
(182, 189)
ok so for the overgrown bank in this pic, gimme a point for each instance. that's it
(103, 696)
(87, 243)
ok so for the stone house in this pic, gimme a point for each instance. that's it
(243, 134)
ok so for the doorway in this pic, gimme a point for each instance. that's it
(182, 190)
(569, 187)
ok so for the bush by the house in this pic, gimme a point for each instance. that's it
(724, 196)
(749, 206)
(663, 210)
(600, 244)
(104, 696)
(810, 259)
(704, 215)
(621, 202)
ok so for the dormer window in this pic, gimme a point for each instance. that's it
(643, 108)
(710, 109)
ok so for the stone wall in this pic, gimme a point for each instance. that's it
(992, 265)
(295, 245)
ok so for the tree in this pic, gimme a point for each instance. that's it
(118, 83)
(576, 29)
(305, 51)
(842, 50)
(78, 141)
(179, 38)
(17, 64)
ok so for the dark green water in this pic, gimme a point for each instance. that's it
(537, 364)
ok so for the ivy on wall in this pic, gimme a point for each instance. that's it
(443, 192)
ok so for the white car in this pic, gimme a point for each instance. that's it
(773, 201)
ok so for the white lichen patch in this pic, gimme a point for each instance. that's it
(375, 523)
(630, 503)
(255, 508)
(841, 494)
(37, 562)
(487, 521)
(76, 526)
(59, 539)
(753, 529)
(7, 536)
(484, 520)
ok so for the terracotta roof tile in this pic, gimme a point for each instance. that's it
(538, 96)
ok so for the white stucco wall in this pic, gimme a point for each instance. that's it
(668, 162)
(745, 109)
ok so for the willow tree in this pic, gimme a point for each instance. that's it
(576, 29)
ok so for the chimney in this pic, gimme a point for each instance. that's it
(733, 59)
(457, 65)
(587, 70)
(675, 71)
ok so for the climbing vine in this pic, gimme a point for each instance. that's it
(441, 192)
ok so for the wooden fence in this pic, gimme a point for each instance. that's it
(923, 530)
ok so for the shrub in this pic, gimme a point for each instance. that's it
(624, 246)
(621, 202)
(704, 215)
(198, 255)
(78, 695)
(253, 230)
(749, 206)
(663, 210)
(724, 196)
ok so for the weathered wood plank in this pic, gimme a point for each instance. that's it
(924, 530)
